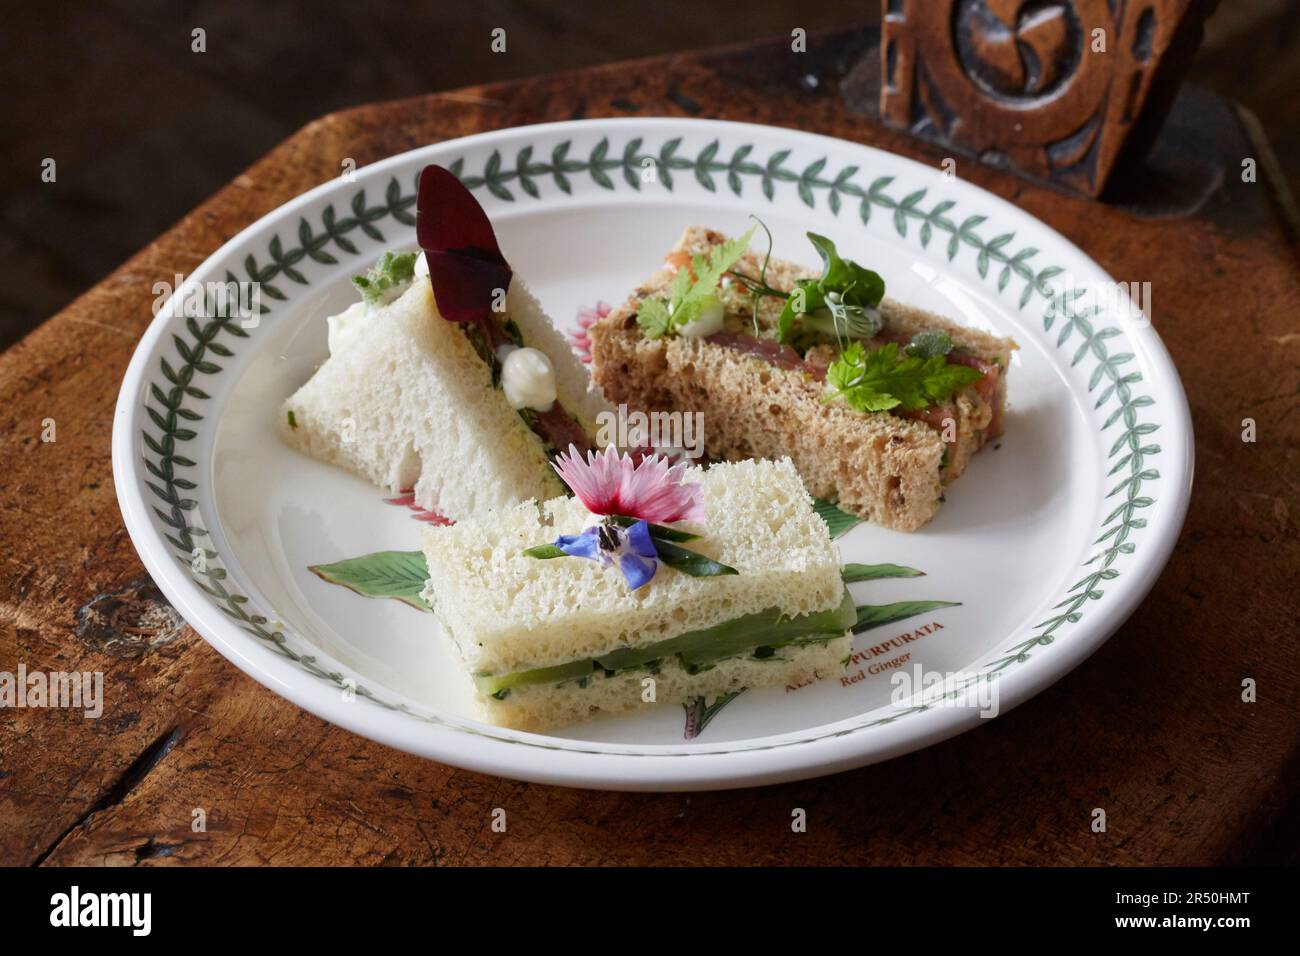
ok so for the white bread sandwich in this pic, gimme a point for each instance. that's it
(879, 405)
(448, 378)
(662, 585)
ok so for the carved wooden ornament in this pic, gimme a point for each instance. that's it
(1064, 91)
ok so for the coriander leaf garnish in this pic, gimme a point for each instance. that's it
(930, 343)
(885, 379)
(653, 318)
(688, 298)
(387, 278)
(842, 304)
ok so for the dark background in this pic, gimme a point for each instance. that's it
(142, 129)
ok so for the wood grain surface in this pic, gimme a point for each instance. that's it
(1152, 728)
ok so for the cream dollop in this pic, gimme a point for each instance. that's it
(708, 322)
(345, 327)
(528, 379)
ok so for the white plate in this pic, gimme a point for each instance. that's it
(1048, 542)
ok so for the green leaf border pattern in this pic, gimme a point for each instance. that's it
(605, 165)
(194, 359)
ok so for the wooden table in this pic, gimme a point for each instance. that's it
(1152, 728)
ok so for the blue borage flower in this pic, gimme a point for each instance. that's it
(631, 548)
(629, 497)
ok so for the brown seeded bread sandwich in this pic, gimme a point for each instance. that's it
(764, 398)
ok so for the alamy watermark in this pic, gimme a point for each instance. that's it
(71, 690)
(675, 434)
(229, 299)
(921, 687)
(1128, 303)
(74, 908)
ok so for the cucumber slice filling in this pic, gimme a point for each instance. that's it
(757, 635)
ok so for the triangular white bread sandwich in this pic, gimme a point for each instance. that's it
(553, 634)
(879, 405)
(464, 404)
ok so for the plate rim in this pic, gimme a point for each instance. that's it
(660, 767)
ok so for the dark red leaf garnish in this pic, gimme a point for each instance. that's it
(466, 267)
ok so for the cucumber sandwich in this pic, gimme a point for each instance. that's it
(662, 584)
(447, 378)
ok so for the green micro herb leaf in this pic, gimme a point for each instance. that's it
(930, 343)
(674, 555)
(885, 379)
(842, 304)
(758, 287)
(653, 317)
(543, 551)
(689, 297)
(658, 531)
(843, 274)
(689, 562)
(387, 278)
